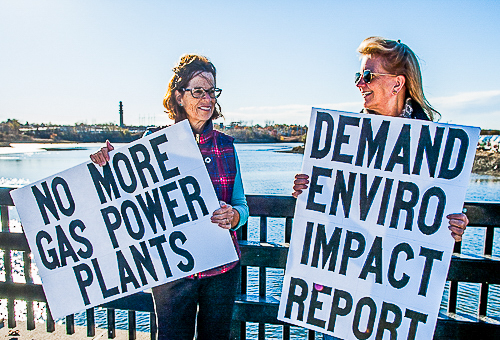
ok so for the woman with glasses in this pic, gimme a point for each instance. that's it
(203, 301)
(390, 83)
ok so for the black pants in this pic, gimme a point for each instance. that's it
(176, 304)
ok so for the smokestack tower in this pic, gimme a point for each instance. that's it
(121, 114)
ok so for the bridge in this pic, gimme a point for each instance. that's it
(260, 259)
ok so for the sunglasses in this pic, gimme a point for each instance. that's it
(199, 92)
(368, 75)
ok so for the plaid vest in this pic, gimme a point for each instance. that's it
(217, 150)
(218, 154)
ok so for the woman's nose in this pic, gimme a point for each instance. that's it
(361, 82)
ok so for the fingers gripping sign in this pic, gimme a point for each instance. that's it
(224, 216)
(101, 157)
(299, 184)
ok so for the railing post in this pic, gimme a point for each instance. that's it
(235, 325)
(262, 274)
(30, 318)
(111, 323)
(453, 291)
(70, 324)
(51, 327)
(288, 229)
(7, 263)
(288, 236)
(153, 329)
(488, 251)
(286, 332)
(262, 270)
(4, 214)
(90, 322)
(239, 333)
(131, 325)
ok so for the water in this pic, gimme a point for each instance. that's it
(265, 171)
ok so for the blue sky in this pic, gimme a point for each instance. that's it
(68, 62)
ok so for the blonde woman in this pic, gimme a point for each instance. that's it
(390, 83)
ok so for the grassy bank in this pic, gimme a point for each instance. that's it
(485, 162)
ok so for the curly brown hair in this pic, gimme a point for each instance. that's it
(188, 67)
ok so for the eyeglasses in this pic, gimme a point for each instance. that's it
(368, 76)
(199, 92)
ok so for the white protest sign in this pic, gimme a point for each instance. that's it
(99, 234)
(370, 246)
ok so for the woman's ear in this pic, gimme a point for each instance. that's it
(400, 82)
(178, 97)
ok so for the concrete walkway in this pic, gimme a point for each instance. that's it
(40, 333)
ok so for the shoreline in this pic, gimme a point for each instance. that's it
(50, 141)
(485, 162)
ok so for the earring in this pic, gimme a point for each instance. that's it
(394, 91)
(180, 104)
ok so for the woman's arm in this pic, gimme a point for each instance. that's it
(238, 199)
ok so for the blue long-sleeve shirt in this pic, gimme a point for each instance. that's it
(238, 199)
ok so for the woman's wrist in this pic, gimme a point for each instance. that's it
(236, 218)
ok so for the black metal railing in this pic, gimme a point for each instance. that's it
(257, 308)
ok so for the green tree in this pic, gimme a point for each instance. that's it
(11, 126)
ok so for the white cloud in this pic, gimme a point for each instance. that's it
(468, 108)
(468, 98)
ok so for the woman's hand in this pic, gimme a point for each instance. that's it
(458, 224)
(226, 217)
(300, 183)
(101, 157)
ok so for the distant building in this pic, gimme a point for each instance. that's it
(121, 115)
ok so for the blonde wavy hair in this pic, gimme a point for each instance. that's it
(188, 67)
(399, 59)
